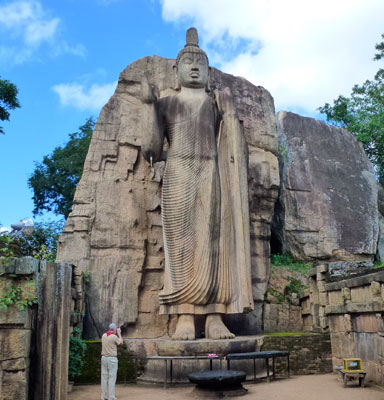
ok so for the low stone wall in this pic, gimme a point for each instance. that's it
(16, 327)
(352, 310)
(310, 354)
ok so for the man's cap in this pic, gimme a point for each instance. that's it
(112, 327)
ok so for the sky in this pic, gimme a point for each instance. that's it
(65, 58)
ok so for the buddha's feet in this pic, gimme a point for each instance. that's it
(185, 328)
(215, 328)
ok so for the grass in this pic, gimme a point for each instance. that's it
(279, 334)
(283, 260)
(378, 264)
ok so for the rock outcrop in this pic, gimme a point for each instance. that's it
(327, 206)
(114, 230)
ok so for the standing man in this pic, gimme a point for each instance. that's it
(109, 341)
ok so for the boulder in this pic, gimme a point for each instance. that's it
(327, 207)
(114, 230)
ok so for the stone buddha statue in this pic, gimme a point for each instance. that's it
(204, 205)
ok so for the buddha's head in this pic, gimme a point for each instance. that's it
(192, 63)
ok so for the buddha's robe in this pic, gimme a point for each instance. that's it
(204, 211)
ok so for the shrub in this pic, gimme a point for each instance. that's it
(77, 349)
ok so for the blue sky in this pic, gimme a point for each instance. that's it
(65, 58)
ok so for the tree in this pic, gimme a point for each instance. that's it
(363, 114)
(40, 244)
(54, 180)
(8, 100)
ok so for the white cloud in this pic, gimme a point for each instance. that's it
(77, 95)
(26, 26)
(305, 52)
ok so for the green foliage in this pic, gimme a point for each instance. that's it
(8, 100)
(294, 286)
(277, 295)
(77, 349)
(42, 242)
(6, 251)
(378, 264)
(87, 278)
(129, 369)
(22, 297)
(283, 260)
(362, 113)
(54, 180)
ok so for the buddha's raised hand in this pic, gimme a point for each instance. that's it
(147, 93)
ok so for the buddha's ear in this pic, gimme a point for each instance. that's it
(175, 78)
(208, 87)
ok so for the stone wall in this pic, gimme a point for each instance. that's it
(282, 312)
(310, 354)
(282, 318)
(352, 310)
(34, 338)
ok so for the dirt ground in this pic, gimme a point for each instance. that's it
(308, 387)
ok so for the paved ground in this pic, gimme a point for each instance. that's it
(308, 387)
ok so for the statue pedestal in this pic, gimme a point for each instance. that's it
(155, 372)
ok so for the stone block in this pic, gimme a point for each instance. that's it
(149, 325)
(380, 322)
(365, 323)
(335, 298)
(321, 286)
(14, 386)
(77, 271)
(375, 288)
(376, 291)
(324, 323)
(14, 343)
(323, 268)
(13, 316)
(346, 295)
(343, 345)
(148, 300)
(77, 280)
(320, 276)
(380, 346)
(337, 323)
(361, 294)
(26, 266)
(348, 323)
(17, 364)
(10, 267)
(323, 297)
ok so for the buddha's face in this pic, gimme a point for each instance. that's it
(192, 70)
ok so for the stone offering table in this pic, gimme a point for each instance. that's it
(182, 358)
(265, 355)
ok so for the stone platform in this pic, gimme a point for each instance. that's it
(157, 369)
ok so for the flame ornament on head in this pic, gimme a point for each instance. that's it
(192, 45)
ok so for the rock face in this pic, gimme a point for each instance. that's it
(327, 206)
(115, 231)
